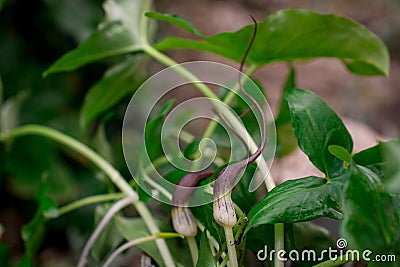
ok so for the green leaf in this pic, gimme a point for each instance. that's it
(396, 204)
(316, 127)
(112, 40)
(143, 189)
(340, 153)
(176, 20)
(310, 236)
(109, 238)
(370, 218)
(192, 149)
(118, 82)
(259, 237)
(369, 157)
(206, 258)
(25, 262)
(299, 200)
(391, 153)
(153, 132)
(286, 141)
(384, 160)
(296, 34)
(33, 232)
(284, 111)
(4, 253)
(2, 4)
(205, 215)
(42, 157)
(119, 34)
(133, 228)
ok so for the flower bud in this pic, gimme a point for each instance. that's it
(223, 208)
(224, 211)
(183, 221)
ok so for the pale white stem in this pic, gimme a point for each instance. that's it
(230, 245)
(103, 223)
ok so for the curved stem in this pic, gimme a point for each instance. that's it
(194, 250)
(105, 166)
(205, 90)
(136, 242)
(144, 21)
(103, 223)
(227, 100)
(230, 244)
(162, 58)
(89, 201)
(151, 224)
(269, 182)
(77, 146)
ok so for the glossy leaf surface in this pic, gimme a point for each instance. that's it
(316, 127)
(296, 34)
(119, 34)
(299, 200)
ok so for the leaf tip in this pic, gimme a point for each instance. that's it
(340, 152)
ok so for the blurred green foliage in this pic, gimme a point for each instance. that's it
(33, 34)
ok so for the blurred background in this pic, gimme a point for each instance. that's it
(34, 33)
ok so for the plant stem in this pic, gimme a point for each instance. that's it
(88, 201)
(151, 224)
(144, 20)
(227, 100)
(105, 166)
(205, 90)
(136, 242)
(194, 251)
(339, 261)
(103, 223)
(224, 261)
(162, 58)
(77, 146)
(269, 182)
(279, 243)
(230, 244)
